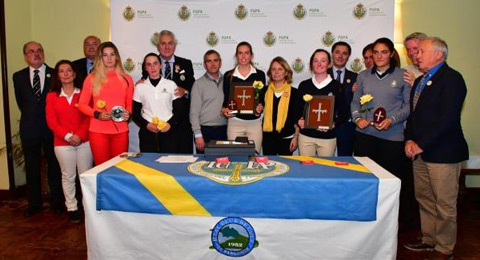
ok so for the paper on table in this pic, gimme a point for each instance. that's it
(177, 159)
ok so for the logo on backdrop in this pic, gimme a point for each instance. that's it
(183, 13)
(269, 39)
(129, 65)
(238, 173)
(298, 65)
(241, 12)
(212, 39)
(233, 236)
(328, 39)
(356, 66)
(129, 13)
(155, 38)
(299, 12)
(359, 11)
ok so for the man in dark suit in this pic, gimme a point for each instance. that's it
(31, 86)
(85, 65)
(435, 141)
(340, 54)
(179, 70)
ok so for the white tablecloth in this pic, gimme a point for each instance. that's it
(122, 235)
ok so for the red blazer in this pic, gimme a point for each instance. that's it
(63, 118)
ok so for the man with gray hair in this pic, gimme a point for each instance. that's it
(411, 43)
(179, 70)
(435, 142)
(206, 103)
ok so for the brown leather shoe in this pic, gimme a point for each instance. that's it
(435, 255)
(419, 246)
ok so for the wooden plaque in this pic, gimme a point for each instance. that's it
(319, 112)
(243, 96)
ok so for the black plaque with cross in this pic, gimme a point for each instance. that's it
(319, 112)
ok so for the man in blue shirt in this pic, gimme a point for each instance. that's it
(435, 142)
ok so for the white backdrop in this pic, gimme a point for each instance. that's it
(291, 29)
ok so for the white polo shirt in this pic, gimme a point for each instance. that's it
(156, 101)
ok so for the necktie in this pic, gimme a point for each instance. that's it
(419, 90)
(36, 84)
(168, 70)
(90, 67)
(339, 76)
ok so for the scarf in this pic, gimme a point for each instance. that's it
(282, 107)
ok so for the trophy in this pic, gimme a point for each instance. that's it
(379, 115)
(117, 113)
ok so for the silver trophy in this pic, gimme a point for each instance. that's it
(117, 113)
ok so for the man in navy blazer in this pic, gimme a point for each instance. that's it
(84, 65)
(179, 70)
(34, 131)
(435, 141)
(340, 54)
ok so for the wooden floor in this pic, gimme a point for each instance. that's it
(50, 236)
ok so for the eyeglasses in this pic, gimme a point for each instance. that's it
(32, 52)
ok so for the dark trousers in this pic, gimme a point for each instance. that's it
(391, 156)
(185, 138)
(158, 142)
(32, 151)
(345, 139)
(274, 144)
(213, 133)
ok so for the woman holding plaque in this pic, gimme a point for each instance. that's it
(70, 129)
(244, 74)
(107, 99)
(379, 108)
(157, 110)
(319, 141)
(280, 134)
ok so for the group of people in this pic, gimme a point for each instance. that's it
(79, 112)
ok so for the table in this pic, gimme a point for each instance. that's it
(130, 235)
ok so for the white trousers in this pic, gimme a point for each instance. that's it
(71, 159)
(309, 146)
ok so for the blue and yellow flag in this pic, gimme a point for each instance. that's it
(281, 188)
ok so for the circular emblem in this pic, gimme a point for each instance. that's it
(155, 38)
(269, 39)
(429, 83)
(356, 66)
(233, 236)
(238, 173)
(182, 77)
(212, 39)
(359, 11)
(129, 65)
(393, 84)
(328, 39)
(128, 13)
(298, 65)
(117, 113)
(299, 12)
(241, 12)
(183, 13)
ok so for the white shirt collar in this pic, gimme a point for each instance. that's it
(75, 91)
(237, 74)
(42, 69)
(322, 84)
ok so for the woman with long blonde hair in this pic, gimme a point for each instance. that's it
(107, 88)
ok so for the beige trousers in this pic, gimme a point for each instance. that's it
(249, 128)
(309, 146)
(436, 190)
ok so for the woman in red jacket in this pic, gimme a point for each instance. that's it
(106, 91)
(70, 129)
